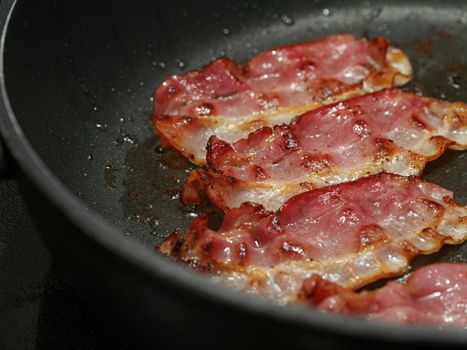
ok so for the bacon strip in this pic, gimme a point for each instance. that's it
(351, 234)
(230, 100)
(387, 131)
(435, 294)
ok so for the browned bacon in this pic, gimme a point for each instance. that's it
(230, 100)
(388, 131)
(350, 234)
(435, 294)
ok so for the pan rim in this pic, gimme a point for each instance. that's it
(111, 238)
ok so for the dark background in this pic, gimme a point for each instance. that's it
(38, 308)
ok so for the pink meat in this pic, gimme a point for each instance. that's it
(435, 294)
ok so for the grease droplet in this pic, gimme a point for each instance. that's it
(327, 12)
(454, 80)
(159, 150)
(287, 20)
(102, 127)
(181, 64)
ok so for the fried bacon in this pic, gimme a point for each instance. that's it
(231, 100)
(350, 234)
(435, 294)
(386, 131)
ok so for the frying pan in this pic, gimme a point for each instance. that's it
(77, 79)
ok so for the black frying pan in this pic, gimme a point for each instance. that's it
(77, 81)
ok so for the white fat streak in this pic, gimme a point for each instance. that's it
(425, 145)
(352, 271)
(448, 113)
(272, 194)
(400, 63)
(447, 129)
(233, 129)
(452, 226)
(401, 69)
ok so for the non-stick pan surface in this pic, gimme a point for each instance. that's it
(80, 75)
